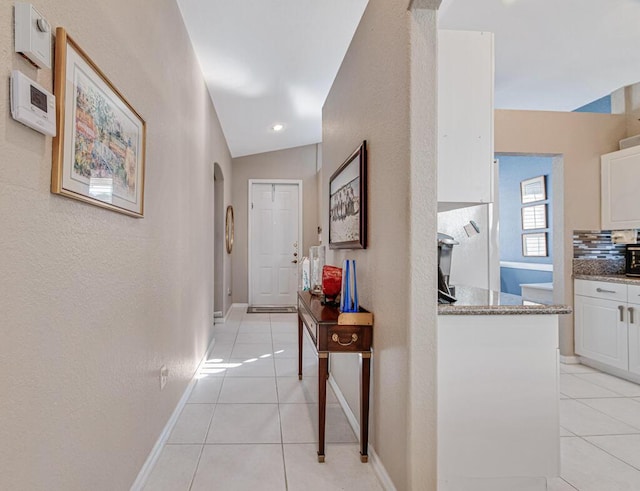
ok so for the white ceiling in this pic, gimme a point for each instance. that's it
(268, 62)
(554, 55)
(273, 61)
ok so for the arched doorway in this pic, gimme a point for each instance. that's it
(218, 244)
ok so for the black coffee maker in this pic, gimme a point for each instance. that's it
(446, 292)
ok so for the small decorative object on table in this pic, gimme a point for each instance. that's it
(317, 260)
(331, 284)
(306, 284)
(349, 293)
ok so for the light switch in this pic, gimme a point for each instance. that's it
(33, 35)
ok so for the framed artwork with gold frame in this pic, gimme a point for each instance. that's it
(229, 229)
(99, 151)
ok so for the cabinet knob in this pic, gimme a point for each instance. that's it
(631, 310)
(621, 310)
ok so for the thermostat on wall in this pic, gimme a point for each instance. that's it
(32, 104)
(32, 35)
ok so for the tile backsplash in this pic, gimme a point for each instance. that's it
(595, 254)
(596, 244)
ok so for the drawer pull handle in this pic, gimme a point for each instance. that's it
(621, 310)
(602, 290)
(631, 310)
(336, 339)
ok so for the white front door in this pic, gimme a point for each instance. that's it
(274, 242)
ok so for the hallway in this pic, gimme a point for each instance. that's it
(250, 423)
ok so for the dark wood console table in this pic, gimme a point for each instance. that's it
(334, 332)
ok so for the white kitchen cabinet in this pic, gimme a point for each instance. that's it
(633, 297)
(465, 118)
(601, 330)
(607, 325)
(620, 174)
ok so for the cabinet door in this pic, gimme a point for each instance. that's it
(601, 330)
(465, 117)
(620, 172)
(634, 338)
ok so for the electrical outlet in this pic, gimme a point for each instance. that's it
(164, 375)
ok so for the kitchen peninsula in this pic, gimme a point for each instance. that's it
(498, 421)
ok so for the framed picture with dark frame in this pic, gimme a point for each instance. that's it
(534, 189)
(99, 152)
(534, 245)
(534, 217)
(348, 202)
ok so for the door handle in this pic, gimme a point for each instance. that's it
(621, 310)
(631, 310)
(602, 290)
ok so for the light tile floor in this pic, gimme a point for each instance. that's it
(251, 424)
(600, 432)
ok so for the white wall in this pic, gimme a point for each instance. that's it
(94, 302)
(470, 258)
(391, 61)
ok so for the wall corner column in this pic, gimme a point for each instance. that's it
(422, 407)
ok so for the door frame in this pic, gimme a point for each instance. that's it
(297, 182)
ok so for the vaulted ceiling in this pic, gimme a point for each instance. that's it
(269, 62)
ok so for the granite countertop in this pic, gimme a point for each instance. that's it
(609, 278)
(478, 301)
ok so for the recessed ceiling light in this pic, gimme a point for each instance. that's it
(277, 127)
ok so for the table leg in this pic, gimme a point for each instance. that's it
(300, 327)
(323, 374)
(365, 374)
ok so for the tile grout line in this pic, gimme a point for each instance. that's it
(224, 376)
(584, 438)
(569, 484)
(604, 386)
(608, 415)
(609, 453)
(195, 471)
(616, 394)
(284, 461)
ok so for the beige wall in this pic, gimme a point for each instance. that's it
(369, 101)
(580, 139)
(94, 302)
(293, 163)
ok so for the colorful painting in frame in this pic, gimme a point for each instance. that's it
(99, 152)
(348, 202)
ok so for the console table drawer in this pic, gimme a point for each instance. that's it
(344, 338)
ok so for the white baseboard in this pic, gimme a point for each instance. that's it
(146, 469)
(223, 320)
(374, 460)
(570, 360)
(353, 421)
(381, 472)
